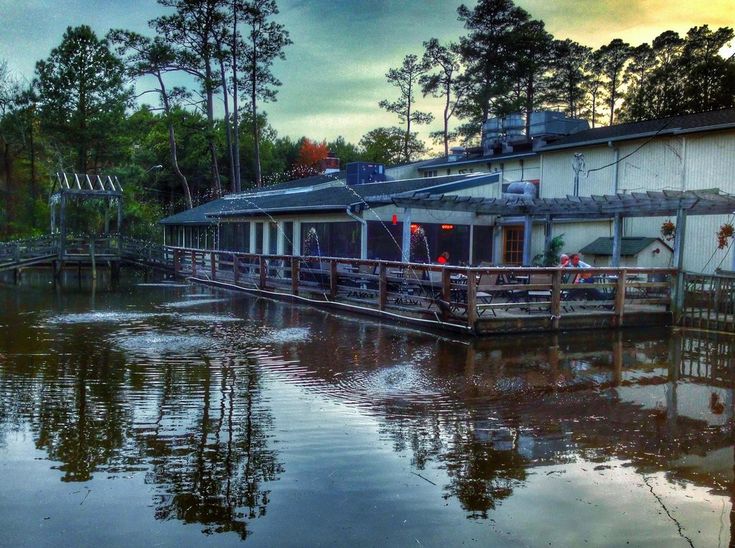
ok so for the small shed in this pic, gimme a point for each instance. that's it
(634, 251)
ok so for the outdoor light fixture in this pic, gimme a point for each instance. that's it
(447, 227)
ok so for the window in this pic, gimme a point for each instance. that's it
(513, 245)
(259, 238)
(331, 239)
(288, 238)
(273, 238)
(482, 244)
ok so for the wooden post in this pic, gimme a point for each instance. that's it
(295, 275)
(446, 293)
(555, 299)
(383, 287)
(471, 300)
(193, 263)
(177, 262)
(213, 264)
(235, 268)
(677, 300)
(92, 257)
(620, 298)
(263, 264)
(617, 240)
(332, 279)
(527, 237)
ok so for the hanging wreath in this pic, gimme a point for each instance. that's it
(724, 234)
(668, 230)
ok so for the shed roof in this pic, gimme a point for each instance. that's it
(674, 125)
(629, 246)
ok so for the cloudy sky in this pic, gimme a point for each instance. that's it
(333, 77)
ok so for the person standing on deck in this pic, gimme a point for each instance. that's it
(443, 258)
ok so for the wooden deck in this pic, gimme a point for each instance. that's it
(477, 301)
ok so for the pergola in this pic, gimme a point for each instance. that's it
(82, 187)
(607, 207)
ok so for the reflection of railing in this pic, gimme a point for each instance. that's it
(709, 302)
(469, 297)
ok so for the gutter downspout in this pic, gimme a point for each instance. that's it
(363, 231)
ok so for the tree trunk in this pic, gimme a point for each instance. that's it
(172, 142)
(256, 139)
(228, 129)
(210, 129)
(408, 124)
(235, 99)
(446, 121)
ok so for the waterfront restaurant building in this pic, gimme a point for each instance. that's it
(354, 213)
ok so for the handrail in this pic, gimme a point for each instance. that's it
(461, 295)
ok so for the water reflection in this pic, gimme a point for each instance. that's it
(132, 382)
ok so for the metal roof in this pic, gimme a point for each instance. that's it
(443, 161)
(635, 204)
(326, 197)
(674, 125)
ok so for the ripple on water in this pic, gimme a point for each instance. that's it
(100, 317)
(192, 303)
(208, 318)
(154, 344)
(162, 284)
(287, 335)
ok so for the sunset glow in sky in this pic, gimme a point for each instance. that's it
(333, 77)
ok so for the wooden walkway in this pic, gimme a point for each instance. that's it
(478, 301)
(77, 252)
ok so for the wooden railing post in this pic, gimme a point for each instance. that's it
(235, 268)
(263, 264)
(620, 298)
(332, 279)
(383, 287)
(555, 299)
(295, 275)
(193, 263)
(446, 293)
(471, 300)
(213, 265)
(177, 262)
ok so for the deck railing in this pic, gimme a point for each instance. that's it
(709, 302)
(469, 297)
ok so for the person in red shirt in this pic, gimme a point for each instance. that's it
(443, 258)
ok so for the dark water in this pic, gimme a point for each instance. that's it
(178, 416)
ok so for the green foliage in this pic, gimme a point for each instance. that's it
(550, 256)
(387, 145)
(82, 98)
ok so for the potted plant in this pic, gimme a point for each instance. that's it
(724, 234)
(668, 230)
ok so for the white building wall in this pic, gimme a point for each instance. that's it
(679, 162)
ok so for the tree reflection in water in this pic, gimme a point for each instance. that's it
(204, 444)
(214, 471)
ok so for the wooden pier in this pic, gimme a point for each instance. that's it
(471, 300)
(82, 253)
